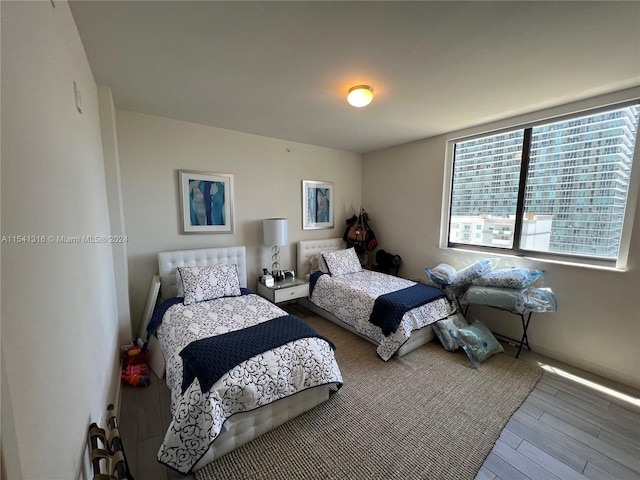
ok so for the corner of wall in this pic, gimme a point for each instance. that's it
(111, 157)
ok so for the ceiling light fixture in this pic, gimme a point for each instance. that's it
(360, 95)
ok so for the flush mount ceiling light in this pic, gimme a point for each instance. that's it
(360, 95)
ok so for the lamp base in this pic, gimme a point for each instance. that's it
(275, 266)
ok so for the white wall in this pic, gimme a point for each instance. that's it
(268, 176)
(116, 213)
(597, 325)
(59, 320)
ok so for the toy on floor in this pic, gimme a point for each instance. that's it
(136, 375)
(135, 370)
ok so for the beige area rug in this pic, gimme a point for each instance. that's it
(427, 415)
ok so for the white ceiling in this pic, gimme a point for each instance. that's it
(282, 69)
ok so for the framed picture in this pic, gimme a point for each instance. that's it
(317, 205)
(206, 202)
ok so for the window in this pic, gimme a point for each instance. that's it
(529, 186)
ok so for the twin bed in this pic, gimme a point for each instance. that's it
(207, 309)
(255, 396)
(348, 299)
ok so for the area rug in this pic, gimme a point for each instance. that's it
(427, 415)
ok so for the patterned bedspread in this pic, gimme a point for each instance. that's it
(351, 298)
(198, 417)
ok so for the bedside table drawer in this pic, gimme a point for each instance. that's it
(291, 293)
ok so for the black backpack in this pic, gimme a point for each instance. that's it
(387, 262)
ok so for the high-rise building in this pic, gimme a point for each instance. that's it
(578, 175)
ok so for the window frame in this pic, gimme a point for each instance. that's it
(527, 123)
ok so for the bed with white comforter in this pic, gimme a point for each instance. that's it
(348, 300)
(351, 298)
(291, 371)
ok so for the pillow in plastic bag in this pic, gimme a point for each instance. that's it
(504, 298)
(508, 278)
(442, 274)
(513, 300)
(478, 342)
(540, 300)
(446, 330)
(464, 278)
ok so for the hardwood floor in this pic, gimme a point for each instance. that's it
(573, 425)
(145, 414)
(566, 429)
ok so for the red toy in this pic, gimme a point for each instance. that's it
(135, 370)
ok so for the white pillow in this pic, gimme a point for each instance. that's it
(342, 262)
(209, 283)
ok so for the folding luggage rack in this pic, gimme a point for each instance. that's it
(525, 317)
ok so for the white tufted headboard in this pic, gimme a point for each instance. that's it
(309, 248)
(169, 261)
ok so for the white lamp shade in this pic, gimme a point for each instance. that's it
(275, 231)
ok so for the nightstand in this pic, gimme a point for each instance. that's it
(289, 289)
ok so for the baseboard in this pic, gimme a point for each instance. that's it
(613, 378)
(118, 400)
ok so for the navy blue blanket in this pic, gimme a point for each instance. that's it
(389, 308)
(313, 279)
(158, 314)
(210, 358)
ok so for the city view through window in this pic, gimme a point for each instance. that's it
(577, 180)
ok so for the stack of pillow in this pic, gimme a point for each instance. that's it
(481, 283)
(511, 289)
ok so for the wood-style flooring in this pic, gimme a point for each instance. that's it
(566, 429)
(145, 414)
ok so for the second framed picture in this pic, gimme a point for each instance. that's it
(317, 205)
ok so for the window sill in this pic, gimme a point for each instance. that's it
(540, 258)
